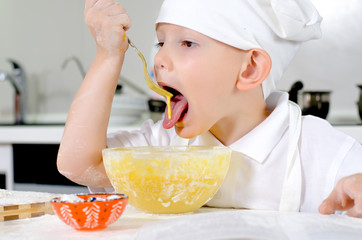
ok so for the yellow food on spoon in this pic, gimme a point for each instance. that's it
(151, 84)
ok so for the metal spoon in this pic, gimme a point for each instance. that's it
(151, 84)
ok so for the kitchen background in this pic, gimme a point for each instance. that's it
(49, 39)
(43, 35)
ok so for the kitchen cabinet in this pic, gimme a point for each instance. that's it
(25, 147)
(36, 164)
(6, 166)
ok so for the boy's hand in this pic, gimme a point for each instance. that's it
(107, 22)
(346, 196)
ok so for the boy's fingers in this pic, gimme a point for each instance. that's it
(356, 210)
(123, 20)
(104, 3)
(330, 204)
(115, 9)
(98, 3)
(347, 195)
(336, 201)
(90, 3)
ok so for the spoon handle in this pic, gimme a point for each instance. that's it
(151, 84)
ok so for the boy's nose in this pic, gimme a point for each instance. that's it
(162, 61)
(163, 66)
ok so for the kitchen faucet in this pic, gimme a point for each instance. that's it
(17, 79)
(77, 62)
(82, 71)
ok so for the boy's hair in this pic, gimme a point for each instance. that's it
(277, 26)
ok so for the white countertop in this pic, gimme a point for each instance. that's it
(47, 134)
(205, 223)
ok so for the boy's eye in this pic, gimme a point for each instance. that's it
(188, 44)
(159, 44)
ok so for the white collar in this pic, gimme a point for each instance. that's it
(259, 142)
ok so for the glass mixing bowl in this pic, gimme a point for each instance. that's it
(170, 179)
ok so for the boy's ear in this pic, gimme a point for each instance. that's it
(255, 69)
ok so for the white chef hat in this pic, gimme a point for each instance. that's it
(277, 26)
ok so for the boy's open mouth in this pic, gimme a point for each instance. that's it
(179, 107)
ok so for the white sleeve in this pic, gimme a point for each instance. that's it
(352, 162)
(327, 155)
(150, 134)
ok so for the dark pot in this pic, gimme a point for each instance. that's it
(157, 108)
(360, 102)
(316, 103)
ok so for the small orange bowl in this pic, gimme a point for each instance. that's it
(90, 211)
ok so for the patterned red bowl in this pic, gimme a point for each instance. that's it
(90, 211)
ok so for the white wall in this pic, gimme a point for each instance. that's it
(41, 34)
(335, 61)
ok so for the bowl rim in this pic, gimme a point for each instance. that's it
(176, 148)
(122, 196)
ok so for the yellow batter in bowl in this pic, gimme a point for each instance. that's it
(171, 179)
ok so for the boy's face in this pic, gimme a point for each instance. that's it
(204, 71)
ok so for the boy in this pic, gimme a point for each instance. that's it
(221, 62)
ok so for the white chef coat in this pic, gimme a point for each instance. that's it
(258, 163)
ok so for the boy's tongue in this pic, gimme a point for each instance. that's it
(178, 105)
